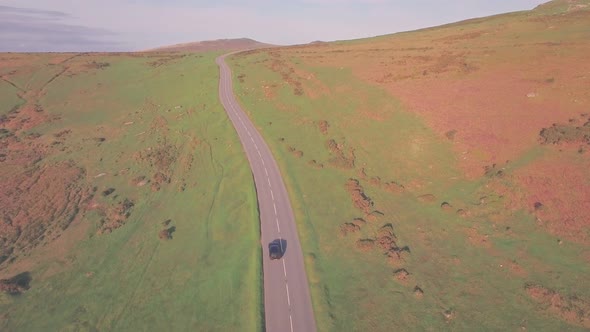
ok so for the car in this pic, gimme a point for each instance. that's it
(274, 250)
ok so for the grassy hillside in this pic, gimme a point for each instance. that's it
(214, 45)
(126, 199)
(440, 177)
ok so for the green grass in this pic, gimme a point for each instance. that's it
(355, 290)
(208, 276)
(9, 98)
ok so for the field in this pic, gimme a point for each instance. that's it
(440, 178)
(127, 202)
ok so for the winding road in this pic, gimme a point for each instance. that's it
(287, 302)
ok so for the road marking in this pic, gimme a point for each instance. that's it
(232, 103)
(284, 267)
(288, 298)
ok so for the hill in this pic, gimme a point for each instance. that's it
(120, 181)
(442, 176)
(214, 45)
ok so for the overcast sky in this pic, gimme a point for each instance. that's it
(128, 25)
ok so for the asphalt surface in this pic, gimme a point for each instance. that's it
(287, 303)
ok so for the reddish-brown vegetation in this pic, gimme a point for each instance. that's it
(557, 191)
(571, 309)
(17, 284)
(115, 217)
(357, 194)
(323, 125)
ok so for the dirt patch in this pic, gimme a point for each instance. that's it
(386, 230)
(446, 206)
(374, 216)
(569, 308)
(394, 187)
(323, 125)
(139, 181)
(357, 194)
(418, 293)
(365, 244)
(401, 275)
(159, 179)
(295, 152)
(166, 233)
(463, 213)
(384, 242)
(515, 268)
(449, 315)
(397, 255)
(386, 239)
(375, 181)
(115, 217)
(348, 227)
(341, 156)
(427, 198)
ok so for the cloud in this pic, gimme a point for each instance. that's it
(35, 30)
(47, 14)
(144, 24)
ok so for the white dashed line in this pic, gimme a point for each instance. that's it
(284, 268)
(238, 116)
(288, 298)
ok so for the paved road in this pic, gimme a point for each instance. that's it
(287, 303)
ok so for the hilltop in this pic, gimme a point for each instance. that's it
(214, 45)
(443, 174)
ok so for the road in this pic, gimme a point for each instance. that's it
(287, 302)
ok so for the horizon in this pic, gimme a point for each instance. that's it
(60, 26)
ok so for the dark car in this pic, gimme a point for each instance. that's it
(274, 250)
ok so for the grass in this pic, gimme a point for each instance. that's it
(207, 277)
(9, 98)
(472, 270)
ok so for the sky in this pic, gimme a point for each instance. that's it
(133, 25)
